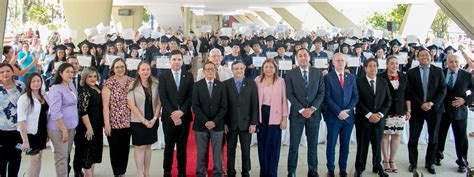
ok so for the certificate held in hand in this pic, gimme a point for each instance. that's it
(132, 63)
(186, 59)
(163, 63)
(258, 61)
(382, 64)
(84, 60)
(353, 62)
(285, 65)
(109, 59)
(320, 63)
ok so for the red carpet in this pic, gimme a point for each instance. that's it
(192, 157)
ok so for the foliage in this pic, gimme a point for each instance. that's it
(146, 15)
(440, 25)
(379, 20)
(39, 14)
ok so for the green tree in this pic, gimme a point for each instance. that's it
(440, 25)
(39, 14)
(379, 20)
(146, 14)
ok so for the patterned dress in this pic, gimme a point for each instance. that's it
(119, 113)
(8, 104)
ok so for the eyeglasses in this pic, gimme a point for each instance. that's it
(210, 69)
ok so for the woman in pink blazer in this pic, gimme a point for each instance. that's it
(273, 117)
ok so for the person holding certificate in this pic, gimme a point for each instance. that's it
(283, 61)
(133, 61)
(360, 58)
(235, 55)
(257, 55)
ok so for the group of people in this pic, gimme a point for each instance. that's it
(231, 99)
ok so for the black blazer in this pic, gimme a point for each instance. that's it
(242, 107)
(462, 84)
(172, 99)
(436, 89)
(209, 108)
(368, 102)
(398, 105)
(304, 98)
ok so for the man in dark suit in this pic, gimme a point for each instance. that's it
(456, 101)
(305, 90)
(374, 103)
(175, 90)
(341, 97)
(426, 91)
(242, 117)
(210, 107)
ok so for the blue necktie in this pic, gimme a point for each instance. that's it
(451, 80)
(239, 85)
(424, 82)
(177, 79)
(305, 77)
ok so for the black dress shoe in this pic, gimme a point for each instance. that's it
(331, 174)
(358, 174)
(382, 174)
(311, 174)
(437, 161)
(462, 169)
(343, 174)
(430, 169)
(411, 168)
(291, 175)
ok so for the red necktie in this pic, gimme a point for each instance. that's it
(341, 80)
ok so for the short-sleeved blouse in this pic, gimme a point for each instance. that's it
(119, 113)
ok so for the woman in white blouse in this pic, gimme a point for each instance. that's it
(32, 120)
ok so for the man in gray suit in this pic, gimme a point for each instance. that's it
(305, 90)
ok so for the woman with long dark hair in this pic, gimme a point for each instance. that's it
(63, 117)
(32, 121)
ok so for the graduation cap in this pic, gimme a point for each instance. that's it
(422, 47)
(354, 38)
(358, 45)
(365, 39)
(119, 40)
(134, 47)
(164, 39)
(286, 41)
(148, 40)
(450, 48)
(60, 47)
(378, 47)
(278, 46)
(245, 43)
(411, 44)
(128, 42)
(253, 42)
(212, 37)
(340, 39)
(224, 37)
(235, 42)
(175, 39)
(141, 40)
(84, 42)
(395, 42)
(319, 39)
(70, 45)
(110, 44)
(269, 38)
(344, 45)
(433, 47)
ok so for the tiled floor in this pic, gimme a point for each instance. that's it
(448, 168)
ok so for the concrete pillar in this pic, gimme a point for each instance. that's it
(187, 19)
(133, 21)
(416, 24)
(296, 23)
(255, 19)
(3, 21)
(267, 18)
(460, 11)
(82, 14)
(332, 15)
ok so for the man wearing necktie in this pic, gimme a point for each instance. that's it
(210, 107)
(341, 97)
(374, 102)
(426, 92)
(242, 117)
(456, 101)
(305, 91)
(175, 91)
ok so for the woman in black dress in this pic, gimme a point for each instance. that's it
(32, 119)
(90, 137)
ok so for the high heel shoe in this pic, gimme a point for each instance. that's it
(386, 167)
(394, 167)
